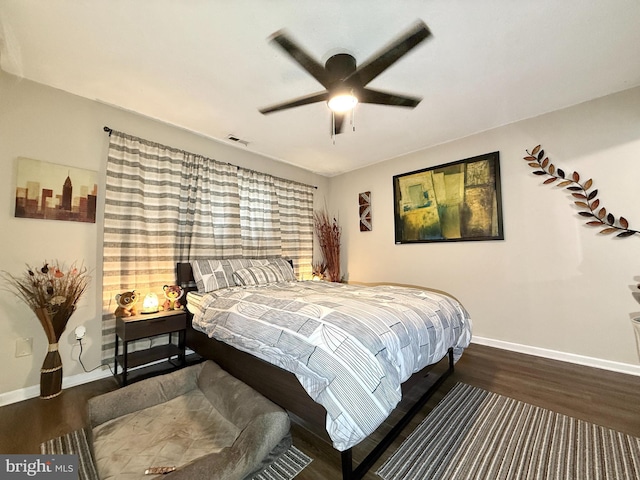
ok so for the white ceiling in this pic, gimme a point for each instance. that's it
(207, 66)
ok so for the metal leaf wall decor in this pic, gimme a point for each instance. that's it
(585, 197)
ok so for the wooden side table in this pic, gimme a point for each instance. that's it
(149, 325)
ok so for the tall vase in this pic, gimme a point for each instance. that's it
(636, 328)
(51, 371)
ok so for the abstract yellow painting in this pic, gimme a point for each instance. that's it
(457, 201)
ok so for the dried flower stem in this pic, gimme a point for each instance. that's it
(51, 293)
(329, 232)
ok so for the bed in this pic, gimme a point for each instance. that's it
(337, 356)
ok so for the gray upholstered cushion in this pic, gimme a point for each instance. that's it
(199, 419)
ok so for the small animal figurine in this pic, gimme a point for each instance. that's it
(127, 304)
(172, 294)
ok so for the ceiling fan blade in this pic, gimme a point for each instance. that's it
(313, 98)
(337, 122)
(386, 57)
(305, 60)
(367, 95)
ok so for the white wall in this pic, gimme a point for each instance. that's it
(50, 125)
(553, 283)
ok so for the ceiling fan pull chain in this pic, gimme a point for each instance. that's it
(333, 127)
(353, 119)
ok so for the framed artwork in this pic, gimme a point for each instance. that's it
(51, 191)
(458, 201)
(364, 208)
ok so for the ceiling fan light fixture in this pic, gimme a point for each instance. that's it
(342, 103)
(342, 77)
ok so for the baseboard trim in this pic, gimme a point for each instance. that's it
(67, 382)
(562, 356)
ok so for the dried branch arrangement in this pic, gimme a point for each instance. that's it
(328, 232)
(585, 197)
(50, 292)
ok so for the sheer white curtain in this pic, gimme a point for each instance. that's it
(164, 205)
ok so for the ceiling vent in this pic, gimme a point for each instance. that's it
(235, 139)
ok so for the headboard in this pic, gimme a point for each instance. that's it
(184, 277)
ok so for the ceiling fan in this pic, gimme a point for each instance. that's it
(344, 83)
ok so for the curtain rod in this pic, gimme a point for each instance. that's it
(109, 130)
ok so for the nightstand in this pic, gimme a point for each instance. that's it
(149, 325)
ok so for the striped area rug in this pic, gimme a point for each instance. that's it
(473, 434)
(74, 443)
(290, 463)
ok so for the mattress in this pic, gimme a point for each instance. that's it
(351, 347)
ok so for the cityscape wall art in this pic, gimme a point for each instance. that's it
(51, 191)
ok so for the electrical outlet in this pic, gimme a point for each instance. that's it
(80, 332)
(24, 347)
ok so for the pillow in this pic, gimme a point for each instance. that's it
(212, 275)
(239, 263)
(284, 267)
(258, 275)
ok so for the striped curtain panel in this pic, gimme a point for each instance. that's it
(164, 205)
(295, 204)
(209, 200)
(259, 215)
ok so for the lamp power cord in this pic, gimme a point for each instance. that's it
(95, 368)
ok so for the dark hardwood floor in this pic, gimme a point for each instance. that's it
(598, 396)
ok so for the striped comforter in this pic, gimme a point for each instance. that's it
(350, 346)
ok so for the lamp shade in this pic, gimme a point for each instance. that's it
(150, 303)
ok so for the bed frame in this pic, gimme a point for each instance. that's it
(284, 389)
